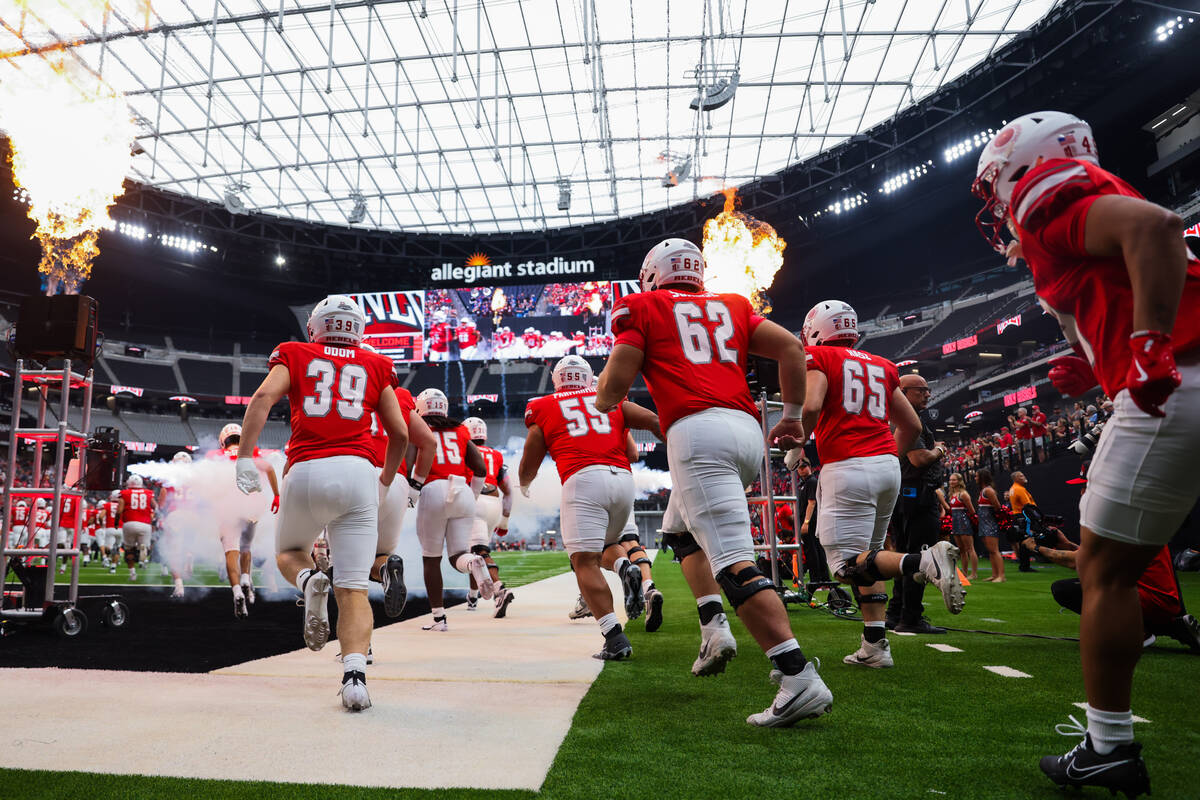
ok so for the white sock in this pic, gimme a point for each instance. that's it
(620, 564)
(179, 582)
(783, 647)
(463, 564)
(708, 598)
(237, 592)
(301, 577)
(439, 612)
(607, 623)
(647, 585)
(246, 579)
(472, 594)
(1109, 729)
(354, 662)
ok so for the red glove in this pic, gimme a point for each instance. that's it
(1072, 375)
(502, 531)
(1152, 375)
(275, 505)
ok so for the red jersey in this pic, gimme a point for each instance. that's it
(451, 458)
(1089, 294)
(41, 517)
(1158, 589)
(137, 505)
(576, 434)
(1037, 421)
(467, 335)
(379, 437)
(20, 514)
(110, 513)
(1024, 428)
(493, 459)
(695, 349)
(439, 337)
(854, 416)
(334, 392)
(68, 511)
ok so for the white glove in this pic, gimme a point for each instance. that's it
(525, 489)
(793, 457)
(414, 492)
(383, 490)
(247, 476)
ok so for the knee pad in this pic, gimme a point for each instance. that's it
(741, 587)
(630, 537)
(639, 560)
(681, 544)
(873, 597)
(864, 574)
(481, 550)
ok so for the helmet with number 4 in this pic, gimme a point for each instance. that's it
(831, 322)
(1020, 146)
(134, 482)
(432, 402)
(337, 319)
(672, 261)
(570, 373)
(477, 428)
(227, 433)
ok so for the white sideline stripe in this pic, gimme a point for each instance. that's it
(1008, 672)
(1136, 718)
(990, 619)
(945, 648)
(524, 675)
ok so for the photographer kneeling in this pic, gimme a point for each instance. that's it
(1163, 613)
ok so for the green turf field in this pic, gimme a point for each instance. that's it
(937, 724)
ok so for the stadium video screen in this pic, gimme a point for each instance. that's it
(526, 321)
(395, 323)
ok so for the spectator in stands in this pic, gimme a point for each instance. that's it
(989, 525)
(1037, 424)
(1024, 435)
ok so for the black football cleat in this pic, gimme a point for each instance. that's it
(631, 582)
(616, 646)
(395, 593)
(1122, 770)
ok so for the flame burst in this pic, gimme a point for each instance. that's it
(69, 134)
(741, 254)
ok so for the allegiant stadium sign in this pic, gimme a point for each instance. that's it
(480, 268)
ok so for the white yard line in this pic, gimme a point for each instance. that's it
(1008, 672)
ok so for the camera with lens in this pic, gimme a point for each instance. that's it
(1085, 445)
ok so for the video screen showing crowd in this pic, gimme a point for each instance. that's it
(1109, 265)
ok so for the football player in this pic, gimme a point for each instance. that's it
(20, 523)
(446, 507)
(439, 337)
(851, 396)
(173, 503)
(588, 448)
(388, 568)
(1115, 271)
(69, 528)
(107, 519)
(333, 388)
(135, 509)
(630, 562)
(492, 509)
(237, 535)
(468, 338)
(691, 347)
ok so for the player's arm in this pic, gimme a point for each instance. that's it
(616, 380)
(506, 500)
(631, 450)
(422, 445)
(531, 457)
(907, 424)
(642, 418)
(778, 344)
(478, 466)
(816, 385)
(391, 416)
(273, 389)
(120, 507)
(272, 479)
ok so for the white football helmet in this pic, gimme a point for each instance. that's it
(1020, 146)
(337, 319)
(40, 503)
(829, 322)
(571, 372)
(134, 482)
(22, 501)
(477, 428)
(230, 430)
(672, 261)
(470, 323)
(433, 402)
(181, 458)
(115, 494)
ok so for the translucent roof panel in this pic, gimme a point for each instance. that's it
(471, 117)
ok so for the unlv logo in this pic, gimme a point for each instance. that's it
(401, 308)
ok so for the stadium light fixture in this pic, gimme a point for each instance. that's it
(904, 178)
(968, 145)
(280, 260)
(845, 203)
(564, 194)
(1168, 28)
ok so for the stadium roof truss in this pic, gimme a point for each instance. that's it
(464, 116)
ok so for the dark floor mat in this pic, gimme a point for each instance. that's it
(198, 634)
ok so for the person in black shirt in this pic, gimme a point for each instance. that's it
(916, 521)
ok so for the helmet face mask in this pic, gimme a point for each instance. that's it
(432, 403)
(571, 373)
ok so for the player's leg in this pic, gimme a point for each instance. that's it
(478, 539)
(296, 532)
(230, 532)
(431, 533)
(245, 561)
(352, 542)
(131, 535)
(388, 568)
(584, 519)
(460, 520)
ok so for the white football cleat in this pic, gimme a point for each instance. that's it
(354, 691)
(438, 624)
(316, 610)
(248, 590)
(717, 647)
(877, 655)
(800, 696)
(580, 610)
(483, 579)
(240, 611)
(939, 566)
(503, 599)
(472, 603)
